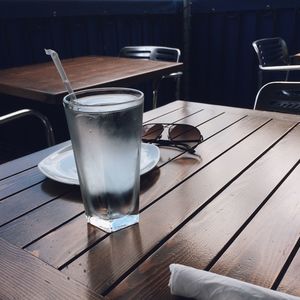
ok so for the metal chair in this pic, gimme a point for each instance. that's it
(279, 96)
(31, 113)
(273, 56)
(156, 53)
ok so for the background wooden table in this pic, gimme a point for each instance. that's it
(41, 82)
(233, 208)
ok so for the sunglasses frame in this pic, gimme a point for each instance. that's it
(181, 144)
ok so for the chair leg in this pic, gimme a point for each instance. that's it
(260, 79)
(155, 93)
(47, 126)
(177, 92)
(154, 100)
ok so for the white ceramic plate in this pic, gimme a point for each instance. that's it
(60, 165)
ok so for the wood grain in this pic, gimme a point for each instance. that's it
(31, 198)
(259, 253)
(19, 182)
(42, 220)
(27, 162)
(209, 210)
(290, 282)
(149, 190)
(41, 212)
(252, 112)
(26, 277)
(204, 236)
(102, 265)
(63, 244)
(170, 108)
(176, 115)
(213, 122)
(41, 81)
(186, 165)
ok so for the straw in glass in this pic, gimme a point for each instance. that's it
(61, 72)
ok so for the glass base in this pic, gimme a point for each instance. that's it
(114, 224)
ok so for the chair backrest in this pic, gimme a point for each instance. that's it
(6, 149)
(151, 52)
(141, 52)
(279, 96)
(165, 54)
(271, 51)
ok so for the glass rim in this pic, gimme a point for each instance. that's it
(105, 90)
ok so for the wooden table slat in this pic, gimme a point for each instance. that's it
(25, 277)
(272, 241)
(109, 264)
(21, 181)
(211, 123)
(231, 208)
(29, 199)
(186, 165)
(29, 161)
(290, 282)
(65, 243)
(38, 222)
(204, 236)
(148, 193)
(176, 115)
(170, 108)
(25, 240)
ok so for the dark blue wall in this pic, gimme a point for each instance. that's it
(84, 27)
(225, 66)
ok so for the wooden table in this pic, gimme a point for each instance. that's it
(41, 82)
(233, 208)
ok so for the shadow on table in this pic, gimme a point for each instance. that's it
(149, 179)
(56, 189)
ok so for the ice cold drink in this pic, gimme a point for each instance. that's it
(105, 131)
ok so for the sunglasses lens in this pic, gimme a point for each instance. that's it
(151, 132)
(184, 133)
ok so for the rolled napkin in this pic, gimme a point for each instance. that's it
(193, 283)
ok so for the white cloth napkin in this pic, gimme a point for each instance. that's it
(201, 285)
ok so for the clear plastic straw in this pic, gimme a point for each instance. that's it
(61, 72)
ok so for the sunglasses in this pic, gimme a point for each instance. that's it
(182, 136)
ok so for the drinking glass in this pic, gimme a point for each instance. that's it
(105, 126)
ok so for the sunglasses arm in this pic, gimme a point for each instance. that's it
(179, 145)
